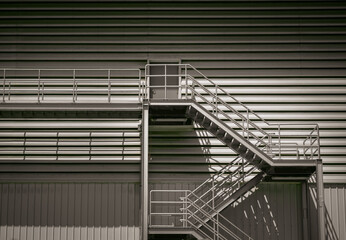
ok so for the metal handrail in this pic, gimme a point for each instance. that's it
(252, 131)
(36, 82)
(187, 213)
(214, 213)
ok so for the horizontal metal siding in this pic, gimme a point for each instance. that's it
(69, 211)
(286, 59)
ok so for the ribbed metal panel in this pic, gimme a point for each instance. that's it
(335, 202)
(286, 59)
(69, 211)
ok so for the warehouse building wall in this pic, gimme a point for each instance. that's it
(283, 59)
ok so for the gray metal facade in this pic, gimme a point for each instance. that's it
(284, 59)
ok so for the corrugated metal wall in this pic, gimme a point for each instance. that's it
(70, 211)
(284, 59)
(335, 203)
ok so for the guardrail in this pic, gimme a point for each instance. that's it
(279, 141)
(181, 211)
(71, 85)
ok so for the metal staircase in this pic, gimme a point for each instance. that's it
(171, 91)
(263, 150)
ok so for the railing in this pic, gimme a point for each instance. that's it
(71, 85)
(180, 211)
(279, 141)
(79, 144)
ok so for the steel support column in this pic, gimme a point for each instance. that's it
(320, 200)
(144, 169)
(305, 213)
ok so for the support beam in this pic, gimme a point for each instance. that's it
(305, 212)
(320, 200)
(144, 172)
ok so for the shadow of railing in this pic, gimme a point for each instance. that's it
(329, 227)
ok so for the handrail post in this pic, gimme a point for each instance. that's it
(39, 85)
(24, 147)
(185, 210)
(318, 142)
(74, 86)
(311, 149)
(109, 85)
(279, 128)
(247, 124)
(9, 91)
(57, 145)
(186, 82)
(165, 81)
(4, 86)
(216, 102)
(90, 140)
(42, 98)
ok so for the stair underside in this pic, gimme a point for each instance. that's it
(273, 168)
(177, 230)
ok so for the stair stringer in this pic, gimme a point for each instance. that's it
(235, 196)
(230, 137)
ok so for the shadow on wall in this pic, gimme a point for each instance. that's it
(329, 224)
(272, 211)
(72, 210)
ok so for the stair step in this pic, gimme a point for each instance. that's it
(220, 133)
(205, 122)
(213, 128)
(227, 138)
(191, 112)
(242, 149)
(199, 117)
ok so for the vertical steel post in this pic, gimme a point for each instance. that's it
(165, 81)
(305, 212)
(39, 85)
(4, 86)
(109, 85)
(320, 199)
(144, 168)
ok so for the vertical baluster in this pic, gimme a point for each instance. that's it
(24, 146)
(311, 148)
(279, 128)
(165, 81)
(9, 91)
(42, 95)
(247, 124)
(90, 140)
(57, 146)
(216, 100)
(109, 85)
(318, 141)
(74, 86)
(185, 210)
(186, 82)
(4, 86)
(39, 86)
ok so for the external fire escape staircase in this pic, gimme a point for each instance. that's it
(264, 151)
(172, 92)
